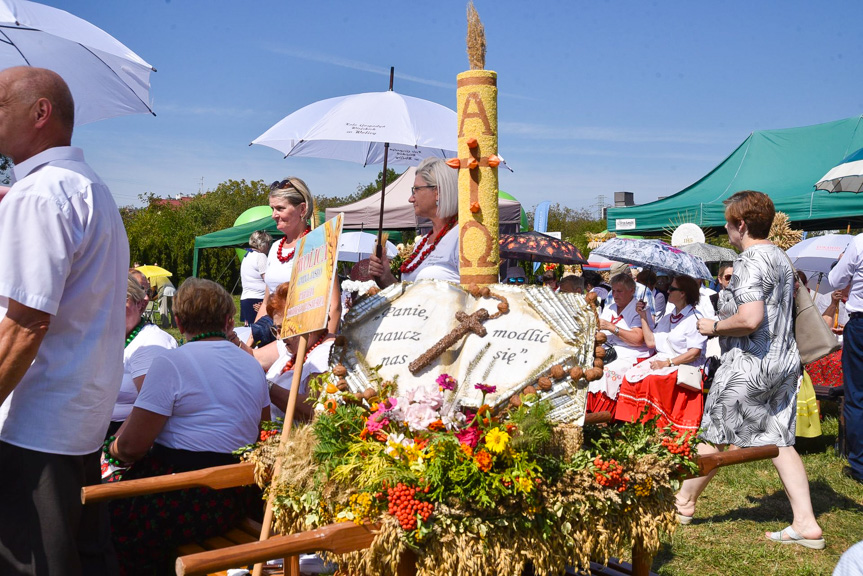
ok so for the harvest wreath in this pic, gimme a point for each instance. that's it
(476, 493)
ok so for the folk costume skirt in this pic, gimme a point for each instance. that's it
(658, 395)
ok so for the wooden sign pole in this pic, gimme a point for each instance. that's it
(286, 430)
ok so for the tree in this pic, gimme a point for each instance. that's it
(164, 234)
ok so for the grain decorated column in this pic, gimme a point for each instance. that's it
(477, 162)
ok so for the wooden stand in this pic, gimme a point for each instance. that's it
(337, 538)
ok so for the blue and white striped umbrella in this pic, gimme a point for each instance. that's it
(846, 177)
(655, 255)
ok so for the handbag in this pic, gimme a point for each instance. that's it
(610, 353)
(814, 339)
(689, 377)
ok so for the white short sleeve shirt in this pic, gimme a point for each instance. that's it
(252, 271)
(137, 357)
(626, 320)
(63, 250)
(212, 393)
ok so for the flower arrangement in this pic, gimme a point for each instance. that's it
(404, 252)
(475, 492)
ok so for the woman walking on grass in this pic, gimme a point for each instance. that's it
(753, 400)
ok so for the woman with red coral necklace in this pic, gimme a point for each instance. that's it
(293, 211)
(434, 196)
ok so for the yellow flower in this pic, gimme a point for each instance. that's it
(496, 440)
(524, 484)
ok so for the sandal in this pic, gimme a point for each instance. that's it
(683, 519)
(790, 536)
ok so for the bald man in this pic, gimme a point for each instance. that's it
(63, 262)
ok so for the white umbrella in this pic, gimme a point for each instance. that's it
(815, 256)
(105, 77)
(845, 177)
(367, 128)
(709, 252)
(355, 246)
(357, 127)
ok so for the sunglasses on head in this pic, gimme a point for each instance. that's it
(516, 280)
(286, 183)
(276, 331)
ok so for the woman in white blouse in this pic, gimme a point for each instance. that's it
(434, 196)
(622, 326)
(651, 388)
(253, 271)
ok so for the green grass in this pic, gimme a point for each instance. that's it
(744, 501)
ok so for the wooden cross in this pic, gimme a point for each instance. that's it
(467, 323)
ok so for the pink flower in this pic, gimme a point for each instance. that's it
(446, 382)
(469, 436)
(376, 422)
(426, 393)
(486, 388)
(419, 416)
(380, 417)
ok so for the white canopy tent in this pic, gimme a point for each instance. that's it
(399, 212)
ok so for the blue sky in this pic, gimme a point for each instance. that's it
(594, 97)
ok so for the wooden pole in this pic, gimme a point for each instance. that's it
(286, 430)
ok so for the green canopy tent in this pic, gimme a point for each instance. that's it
(237, 236)
(784, 164)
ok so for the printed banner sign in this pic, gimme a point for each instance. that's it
(311, 287)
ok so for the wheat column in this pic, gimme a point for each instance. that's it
(479, 258)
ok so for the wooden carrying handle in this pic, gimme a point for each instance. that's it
(217, 478)
(708, 463)
(337, 538)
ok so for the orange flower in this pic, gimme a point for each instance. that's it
(483, 460)
(330, 405)
(468, 451)
(437, 426)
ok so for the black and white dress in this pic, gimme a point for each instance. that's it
(753, 399)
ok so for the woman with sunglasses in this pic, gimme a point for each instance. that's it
(294, 213)
(650, 388)
(434, 196)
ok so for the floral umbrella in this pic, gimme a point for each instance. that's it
(654, 254)
(537, 247)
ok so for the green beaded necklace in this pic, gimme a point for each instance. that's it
(135, 332)
(221, 335)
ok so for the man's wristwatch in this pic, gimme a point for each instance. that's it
(670, 363)
(617, 330)
(715, 329)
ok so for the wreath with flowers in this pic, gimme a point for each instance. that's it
(473, 492)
